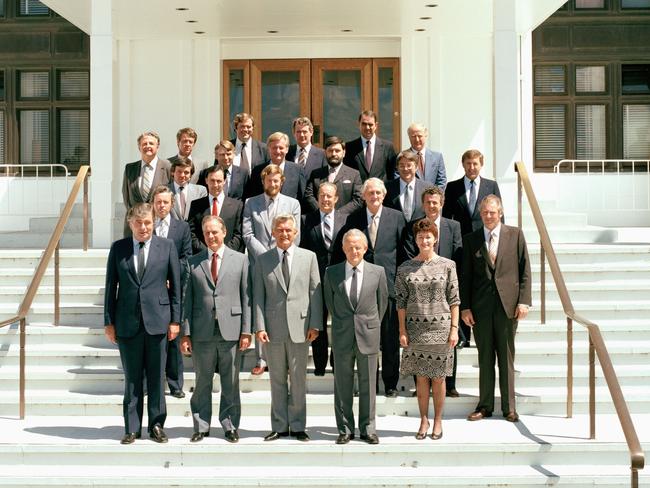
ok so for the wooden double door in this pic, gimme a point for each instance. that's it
(331, 92)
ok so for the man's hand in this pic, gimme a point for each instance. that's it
(173, 331)
(467, 317)
(312, 334)
(109, 332)
(262, 336)
(521, 312)
(186, 345)
(244, 341)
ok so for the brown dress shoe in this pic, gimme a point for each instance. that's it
(452, 393)
(479, 414)
(512, 416)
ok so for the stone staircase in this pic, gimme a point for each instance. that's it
(74, 385)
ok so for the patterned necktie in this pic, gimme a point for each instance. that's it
(353, 289)
(421, 164)
(162, 229)
(146, 181)
(368, 156)
(140, 261)
(327, 230)
(243, 161)
(213, 267)
(182, 200)
(372, 230)
(472, 196)
(408, 203)
(302, 158)
(215, 207)
(492, 248)
(285, 269)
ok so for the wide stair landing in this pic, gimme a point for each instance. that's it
(74, 383)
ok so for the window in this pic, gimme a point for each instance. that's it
(2, 137)
(34, 136)
(640, 4)
(550, 80)
(635, 78)
(2, 85)
(591, 132)
(590, 79)
(32, 8)
(74, 138)
(34, 84)
(591, 4)
(636, 127)
(2, 8)
(550, 131)
(74, 85)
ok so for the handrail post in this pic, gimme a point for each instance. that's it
(592, 388)
(85, 214)
(519, 200)
(542, 283)
(57, 311)
(569, 367)
(634, 481)
(21, 373)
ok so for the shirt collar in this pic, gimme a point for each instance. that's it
(373, 140)
(289, 251)
(496, 231)
(477, 181)
(219, 252)
(167, 219)
(378, 214)
(348, 267)
(153, 163)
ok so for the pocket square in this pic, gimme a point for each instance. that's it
(347, 182)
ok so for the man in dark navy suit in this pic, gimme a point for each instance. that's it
(405, 193)
(236, 177)
(142, 317)
(249, 152)
(303, 152)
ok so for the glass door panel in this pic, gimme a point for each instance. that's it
(236, 99)
(386, 99)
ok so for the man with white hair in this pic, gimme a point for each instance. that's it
(431, 165)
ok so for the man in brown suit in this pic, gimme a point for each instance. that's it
(495, 294)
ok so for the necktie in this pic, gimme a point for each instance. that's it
(140, 261)
(472, 196)
(332, 174)
(270, 210)
(353, 289)
(162, 229)
(146, 181)
(243, 161)
(215, 207)
(285, 269)
(182, 200)
(226, 185)
(302, 158)
(327, 231)
(421, 164)
(372, 230)
(368, 156)
(213, 267)
(492, 248)
(408, 203)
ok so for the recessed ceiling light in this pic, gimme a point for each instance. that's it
(180, 9)
(420, 30)
(199, 32)
(431, 5)
(191, 21)
(346, 30)
(425, 18)
(272, 31)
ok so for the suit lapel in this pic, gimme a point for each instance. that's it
(277, 270)
(205, 266)
(131, 260)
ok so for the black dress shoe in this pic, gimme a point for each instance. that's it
(274, 436)
(369, 438)
(158, 434)
(319, 372)
(452, 393)
(344, 438)
(391, 393)
(130, 438)
(232, 436)
(301, 436)
(178, 394)
(198, 436)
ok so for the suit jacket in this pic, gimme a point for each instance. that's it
(236, 186)
(363, 323)
(393, 192)
(434, 168)
(192, 192)
(228, 301)
(287, 313)
(312, 237)
(259, 154)
(348, 189)
(198, 164)
(456, 206)
(316, 159)
(292, 186)
(230, 212)
(383, 159)
(256, 225)
(509, 279)
(131, 189)
(388, 251)
(127, 299)
(450, 241)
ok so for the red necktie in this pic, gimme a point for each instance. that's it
(215, 209)
(213, 268)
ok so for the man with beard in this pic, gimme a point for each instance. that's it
(346, 179)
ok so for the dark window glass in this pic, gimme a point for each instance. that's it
(280, 100)
(32, 7)
(2, 8)
(550, 80)
(550, 131)
(2, 85)
(2, 137)
(34, 84)
(635, 78)
(74, 138)
(74, 84)
(34, 136)
(236, 94)
(635, 3)
(385, 84)
(580, 4)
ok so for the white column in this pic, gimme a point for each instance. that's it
(101, 122)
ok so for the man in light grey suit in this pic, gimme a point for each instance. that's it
(257, 226)
(431, 165)
(287, 316)
(216, 327)
(184, 191)
(356, 294)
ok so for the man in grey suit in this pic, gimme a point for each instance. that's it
(356, 294)
(185, 140)
(257, 228)
(184, 191)
(141, 177)
(430, 164)
(216, 327)
(405, 193)
(287, 316)
(495, 293)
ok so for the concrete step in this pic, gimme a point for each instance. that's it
(91, 294)
(39, 240)
(83, 276)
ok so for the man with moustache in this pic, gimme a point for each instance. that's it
(405, 193)
(142, 311)
(346, 179)
(287, 316)
(185, 140)
(216, 328)
(184, 191)
(356, 294)
(179, 232)
(249, 152)
(368, 154)
(236, 178)
(277, 145)
(218, 204)
(430, 164)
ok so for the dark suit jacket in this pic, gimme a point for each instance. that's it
(383, 159)
(389, 251)
(238, 181)
(130, 188)
(150, 299)
(456, 206)
(509, 280)
(450, 243)
(348, 189)
(312, 237)
(230, 212)
(292, 186)
(392, 197)
(316, 159)
(259, 154)
(179, 232)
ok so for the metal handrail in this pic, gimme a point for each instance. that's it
(596, 342)
(51, 249)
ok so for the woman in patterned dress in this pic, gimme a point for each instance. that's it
(427, 297)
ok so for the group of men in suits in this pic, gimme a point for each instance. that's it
(351, 203)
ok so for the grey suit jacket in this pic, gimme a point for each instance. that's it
(198, 164)
(228, 301)
(434, 168)
(287, 313)
(192, 192)
(256, 225)
(362, 323)
(131, 189)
